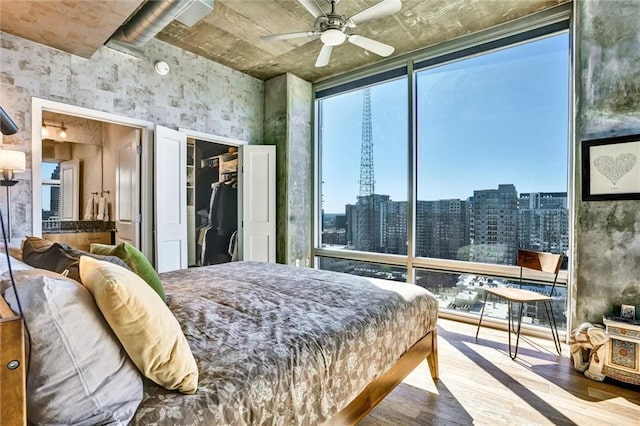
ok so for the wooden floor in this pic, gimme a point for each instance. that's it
(479, 384)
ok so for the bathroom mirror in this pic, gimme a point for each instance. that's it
(72, 166)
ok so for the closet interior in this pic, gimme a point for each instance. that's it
(212, 202)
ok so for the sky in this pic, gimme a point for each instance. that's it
(498, 118)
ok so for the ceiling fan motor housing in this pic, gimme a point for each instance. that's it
(333, 28)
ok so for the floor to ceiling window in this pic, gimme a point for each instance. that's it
(364, 169)
(482, 174)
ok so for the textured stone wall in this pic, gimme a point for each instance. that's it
(288, 102)
(198, 94)
(607, 234)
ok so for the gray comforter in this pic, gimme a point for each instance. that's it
(280, 345)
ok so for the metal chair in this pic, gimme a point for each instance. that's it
(539, 261)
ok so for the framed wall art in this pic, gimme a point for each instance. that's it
(611, 168)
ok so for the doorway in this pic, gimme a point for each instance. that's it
(212, 202)
(112, 185)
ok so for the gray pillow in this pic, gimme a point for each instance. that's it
(59, 257)
(79, 373)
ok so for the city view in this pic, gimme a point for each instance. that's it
(50, 191)
(488, 155)
(489, 226)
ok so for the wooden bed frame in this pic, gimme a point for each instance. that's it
(427, 347)
(13, 401)
(13, 409)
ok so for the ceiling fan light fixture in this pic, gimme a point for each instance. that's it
(333, 37)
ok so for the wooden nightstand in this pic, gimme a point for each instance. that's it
(623, 353)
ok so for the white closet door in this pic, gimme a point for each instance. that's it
(170, 180)
(69, 190)
(257, 203)
(127, 189)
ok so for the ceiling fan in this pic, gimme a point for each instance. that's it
(334, 29)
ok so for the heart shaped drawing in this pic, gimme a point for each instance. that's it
(614, 168)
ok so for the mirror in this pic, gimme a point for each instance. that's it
(72, 166)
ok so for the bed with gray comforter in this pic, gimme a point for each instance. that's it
(279, 345)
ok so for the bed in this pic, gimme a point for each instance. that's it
(276, 344)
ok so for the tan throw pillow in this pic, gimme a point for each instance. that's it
(147, 329)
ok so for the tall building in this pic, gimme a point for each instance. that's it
(443, 229)
(394, 227)
(54, 201)
(369, 223)
(495, 225)
(544, 221)
(351, 226)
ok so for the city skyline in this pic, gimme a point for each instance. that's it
(477, 121)
(488, 227)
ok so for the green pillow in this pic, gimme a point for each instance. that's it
(136, 261)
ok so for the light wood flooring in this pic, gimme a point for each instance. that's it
(479, 384)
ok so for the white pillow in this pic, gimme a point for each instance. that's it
(79, 373)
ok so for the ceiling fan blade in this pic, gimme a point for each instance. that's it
(371, 45)
(324, 55)
(288, 36)
(312, 7)
(384, 8)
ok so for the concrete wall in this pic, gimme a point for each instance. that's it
(607, 234)
(198, 94)
(287, 124)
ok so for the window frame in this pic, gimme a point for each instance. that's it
(539, 25)
(52, 183)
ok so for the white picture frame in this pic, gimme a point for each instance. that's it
(628, 312)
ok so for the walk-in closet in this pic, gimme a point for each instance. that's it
(212, 202)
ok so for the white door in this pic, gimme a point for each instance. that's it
(127, 189)
(257, 203)
(170, 180)
(69, 190)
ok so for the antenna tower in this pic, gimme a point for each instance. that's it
(367, 182)
(366, 199)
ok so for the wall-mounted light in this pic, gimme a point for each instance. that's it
(62, 130)
(11, 162)
(62, 133)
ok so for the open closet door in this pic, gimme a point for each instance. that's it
(128, 189)
(257, 203)
(170, 181)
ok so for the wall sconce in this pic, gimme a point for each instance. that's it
(11, 162)
(62, 132)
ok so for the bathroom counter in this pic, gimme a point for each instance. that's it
(79, 234)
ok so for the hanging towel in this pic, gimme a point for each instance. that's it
(90, 210)
(105, 213)
(101, 208)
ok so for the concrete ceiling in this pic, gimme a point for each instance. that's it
(79, 27)
(230, 35)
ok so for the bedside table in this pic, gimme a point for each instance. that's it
(623, 353)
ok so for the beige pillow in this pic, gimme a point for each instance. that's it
(147, 329)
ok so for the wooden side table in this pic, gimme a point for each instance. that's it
(622, 360)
